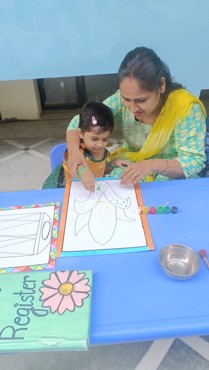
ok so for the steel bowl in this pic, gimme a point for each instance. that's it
(179, 262)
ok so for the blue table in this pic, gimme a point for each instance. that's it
(132, 298)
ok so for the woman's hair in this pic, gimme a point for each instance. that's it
(99, 115)
(144, 65)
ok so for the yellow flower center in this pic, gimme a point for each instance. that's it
(65, 288)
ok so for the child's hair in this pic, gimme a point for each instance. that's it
(94, 114)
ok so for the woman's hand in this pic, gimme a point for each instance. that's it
(136, 171)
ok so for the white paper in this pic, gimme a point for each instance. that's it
(109, 218)
(25, 236)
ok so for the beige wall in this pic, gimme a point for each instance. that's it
(19, 100)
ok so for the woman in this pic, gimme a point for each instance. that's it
(163, 124)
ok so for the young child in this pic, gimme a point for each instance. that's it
(96, 123)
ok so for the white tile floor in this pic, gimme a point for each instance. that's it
(24, 165)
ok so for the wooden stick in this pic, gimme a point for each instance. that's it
(206, 261)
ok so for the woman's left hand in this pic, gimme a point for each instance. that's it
(134, 172)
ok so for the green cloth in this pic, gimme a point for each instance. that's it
(56, 179)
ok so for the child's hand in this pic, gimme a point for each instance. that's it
(75, 159)
(88, 180)
(120, 163)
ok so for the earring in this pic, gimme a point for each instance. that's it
(83, 145)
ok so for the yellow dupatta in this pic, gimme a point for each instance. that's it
(176, 108)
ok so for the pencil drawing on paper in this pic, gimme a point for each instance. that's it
(104, 206)
(24, 234)
(107, 220)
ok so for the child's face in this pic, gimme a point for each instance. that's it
(94, 140)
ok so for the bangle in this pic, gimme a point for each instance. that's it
(81, 170)
(167, 168)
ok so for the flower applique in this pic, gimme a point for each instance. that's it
(64, 290)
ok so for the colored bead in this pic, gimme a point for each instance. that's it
(160, 210)
(167, 209)
(152, 210)
(145, 210)
(174, 209)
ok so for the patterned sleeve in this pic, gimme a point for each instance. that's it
(207, 142)
(189, 139)
(73, 125)
(116, 105)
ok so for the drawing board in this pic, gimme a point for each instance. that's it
(28, 237)
(105, 221)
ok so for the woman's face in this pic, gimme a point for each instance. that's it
(140, 102)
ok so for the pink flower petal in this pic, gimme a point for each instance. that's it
(78, 298)
(75, 276)
(82, 286)
(53, 302)
(66, 304)
(53, 281)
(63, 276)
(47, 292)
